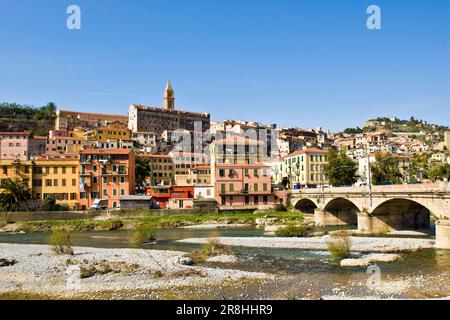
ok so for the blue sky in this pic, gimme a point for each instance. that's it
(292, 62)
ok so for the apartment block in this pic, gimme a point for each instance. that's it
(21, 145)
(106, 174)
(305, 168)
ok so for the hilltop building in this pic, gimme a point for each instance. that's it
(69, 120)
(157, 120)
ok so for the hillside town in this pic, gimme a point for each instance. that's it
(167, 158)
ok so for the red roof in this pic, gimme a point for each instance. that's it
(106, 151)
(238, 140)
(310, 150)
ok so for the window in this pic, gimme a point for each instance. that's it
(55, 182)
(247, 174)
(255, 187)
(122, 192)
(114, 180)
(94, 180)
(73, 196)
(74, 182)
(264, 187)
(231, 187)
(122, 179)
(255, 172)
(94, 168)
(222, 173)
(63, 182)
(223, 188)
(74, 170)
(265, 172)
(105, 180)
(114, 192)
(55, 170)
(105, 192)
(63, 170)
(48, 183)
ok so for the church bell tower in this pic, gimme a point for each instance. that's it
(169, 97)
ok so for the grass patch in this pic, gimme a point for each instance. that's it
(294, 230)
(90, 269)
(212, 248)
(339, 248)
(61, 243)
(145, 233)
(126, 222)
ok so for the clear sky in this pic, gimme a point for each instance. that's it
(292, 62)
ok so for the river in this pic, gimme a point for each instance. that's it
(302, 274)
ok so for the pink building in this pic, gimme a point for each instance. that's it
(21, 145)
(244, 186)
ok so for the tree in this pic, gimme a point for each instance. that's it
(385, 169)
(419, 166)
(340, 169)
(14, 194)
(142, 172)
(356, 130)
(441, 172)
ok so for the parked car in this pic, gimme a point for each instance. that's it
(99, 204)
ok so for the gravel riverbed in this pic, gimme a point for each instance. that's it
(39, 270)
(358, 244)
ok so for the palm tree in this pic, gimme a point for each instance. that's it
(14, 193)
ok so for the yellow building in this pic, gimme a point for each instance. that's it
(57, 179)
(161, 169)
(16, 170)
(114, 131)
(305, 168)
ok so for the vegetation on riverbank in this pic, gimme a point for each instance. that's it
(130, 223)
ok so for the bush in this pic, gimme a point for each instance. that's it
(144, 233)
(61, 243)
(293, 230)
(339, 248)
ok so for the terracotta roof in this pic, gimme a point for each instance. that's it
(256, 165)
(153, 155)
(106, 151)
(23, 133)
(94, 114)
(238, 139)
(310, 150)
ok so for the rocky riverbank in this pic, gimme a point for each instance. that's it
(105, 272)
(358, 244)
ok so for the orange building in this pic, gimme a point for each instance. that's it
(106, 174)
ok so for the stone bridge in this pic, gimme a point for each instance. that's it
(383, 209)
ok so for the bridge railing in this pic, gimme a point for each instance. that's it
(427, 187)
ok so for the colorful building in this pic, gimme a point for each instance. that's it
(16, 170)
(243, 185)
(106, 174)
(305, 168)
(21, 145)
(114, 131)
(161, 169)
(57, 179)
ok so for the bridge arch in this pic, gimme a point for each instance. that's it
(342, 211)
(306, 205)
(401, 214)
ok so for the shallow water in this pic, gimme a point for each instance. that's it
(425, 273)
